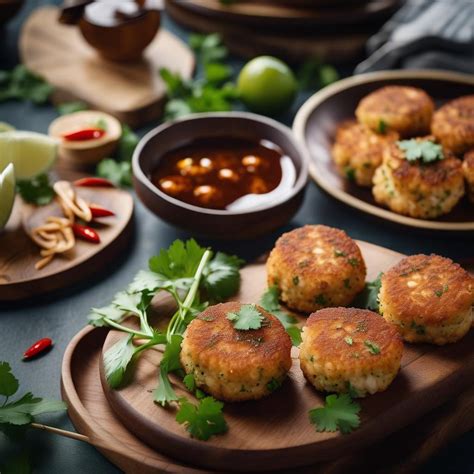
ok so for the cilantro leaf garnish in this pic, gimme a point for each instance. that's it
(313, 74)
(170, 362)
(189, 382)
(369, 297)
(382, 127)
(118, 172)
(270, 302)
(37, 190)
(248, 317)
(203, 420)
(116, 360)
(339, 413)
(348, 340)
(426, 151)
(23, 410)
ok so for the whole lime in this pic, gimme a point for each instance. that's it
(267, 85)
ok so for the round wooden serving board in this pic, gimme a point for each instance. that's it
(317, 120)
(132, 91)
(275, 433)
(18, 253)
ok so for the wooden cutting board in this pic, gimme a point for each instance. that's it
(274, 433)
(18, 254)
(132, 92)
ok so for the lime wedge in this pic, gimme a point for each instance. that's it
(6, 127)
(31, 153)
(7, 194)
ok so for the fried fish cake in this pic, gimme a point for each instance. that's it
(350, 350)
(428, 299)
(406, 110)
(412, 188)
(358, 151)
(316, 266)
(231, 364)
(468, 170)
(453, 124)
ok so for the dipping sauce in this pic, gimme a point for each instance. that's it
(225, 173)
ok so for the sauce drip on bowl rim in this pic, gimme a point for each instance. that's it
(225, 173)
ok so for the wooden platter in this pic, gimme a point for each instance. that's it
(316, 122)
(408, 398)
(132, 92)
(287, 16)
(248, 41)
(274, 433)
(18, 254)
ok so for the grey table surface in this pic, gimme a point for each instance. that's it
(62, 314)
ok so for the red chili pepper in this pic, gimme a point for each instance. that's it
(91, 133)
(37, 348)
(86, 233)
(98, 211)
(93, 182)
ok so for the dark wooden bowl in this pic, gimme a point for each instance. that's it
(123, 42)
(218, 223)
(316, 123)
(8, 9)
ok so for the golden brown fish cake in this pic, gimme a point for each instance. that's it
(406, 110)
(468, 170)
(349, 349)
(231, 364)
(428, 298)
(423, 190)
(453, 124)
(316, 266)
(358, 151)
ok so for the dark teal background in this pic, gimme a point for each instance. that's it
(62, 314)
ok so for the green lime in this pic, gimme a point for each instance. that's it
(5, 127)
(7, 194)
(31, 153)
(267, 85)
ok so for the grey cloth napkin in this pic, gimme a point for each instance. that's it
(436, 34)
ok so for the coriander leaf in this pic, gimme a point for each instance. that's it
(97, 315)
(71, 107)
(426, 151)
(37, 190)
(221, 276)
(176, 108)
(382, 127)
(127, 144)
(313, 74)
(369, 297)
(348, 340)
(248, 317)
(190, 382)
(339, 413)
(273, 385)
(217, 72)
(22, 411)
(116, 360)
(119, 172)
(127, 301)
(170, 362)
(295, 334)
(180, 260)
(151, 281)
(209, 47)
(204, 420)
(176, 86)
(373, 348)
(8, 382)
(327, 75)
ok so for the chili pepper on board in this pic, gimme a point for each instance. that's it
(86, 233)
(84, 134)
(93, 182)
(98, 211)
(38, 348)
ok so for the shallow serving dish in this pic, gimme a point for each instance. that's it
(316, 123)
(218, 223)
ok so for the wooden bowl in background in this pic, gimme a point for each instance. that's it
(8, 9)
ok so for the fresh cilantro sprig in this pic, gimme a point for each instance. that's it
(22, 411)
(369, 296)
(248, 317)
(340, 412)
(270, 302)
(189, 273)
(37, 190)
(313, 74)
(22, 84)
(425, 151)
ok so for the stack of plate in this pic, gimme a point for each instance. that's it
(334, 30)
